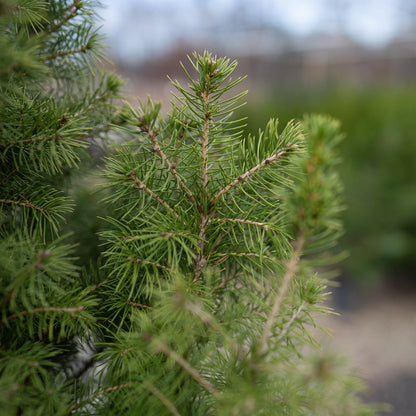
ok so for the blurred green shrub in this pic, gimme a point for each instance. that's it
(378, 171)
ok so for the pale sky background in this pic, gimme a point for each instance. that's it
(141, 29)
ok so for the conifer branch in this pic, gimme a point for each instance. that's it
(291, 270)
(171, 166)
(38, 264)
(55, 137)
(168, 404)
(161, 347)
(71, 311)
(143, 187)
(98, 394)
(94, 288)
(223, 256)
(264, 225)
(26, 204)
(74, 7)
(138, 305)
(150, 263)
(201, 258)
(11, 173)
(82, 49)
(253, 170)
(205, 137)
(289, 323)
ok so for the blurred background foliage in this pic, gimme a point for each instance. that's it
(378, 172)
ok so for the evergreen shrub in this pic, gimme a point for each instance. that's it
(215, 246)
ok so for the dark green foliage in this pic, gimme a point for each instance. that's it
(53, 104)
(377, 170)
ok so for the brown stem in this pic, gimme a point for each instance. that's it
(237, 254)
(205, 137)
(143, 187)
(286, 328)
(168, 404)
(71, 311)
(24, 204)
(188, 368)
(201, 258)
(253, 170)
(243, 221)
(150, 263)
(82, 49)
(138, 305)
(54, 137)
(75, 6)
(9, 174)
(98, 394)
(96, 287)
(169, 165)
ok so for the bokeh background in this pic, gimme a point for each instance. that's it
(354, 60)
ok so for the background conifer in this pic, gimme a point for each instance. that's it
(54, 104)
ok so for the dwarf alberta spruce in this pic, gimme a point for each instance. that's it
(212, 252)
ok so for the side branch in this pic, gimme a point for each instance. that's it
(171, 166)
(82, 49)
(97, 286)
(54, 137)
(291, 270)
(160, 347)
(253, 170)
(143, 187)
(12, 172)
(71, 311)
(150, 263)
(223, 256)
(24, 204)
(168, 404)
(98, 394)
(248, 222)
(74, 7)
(205, 141)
